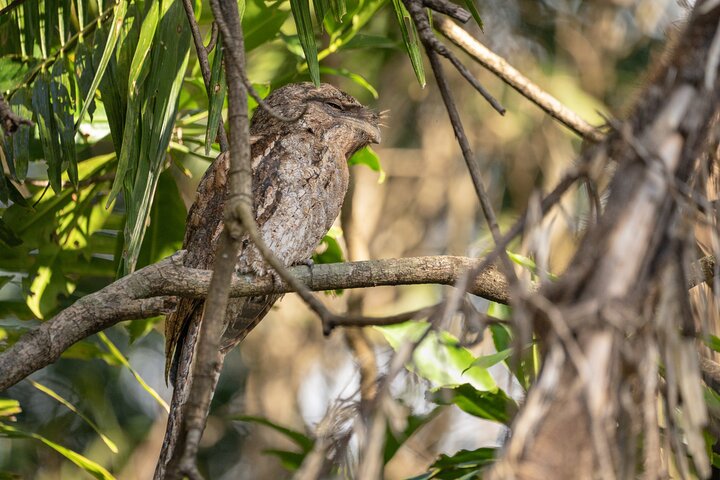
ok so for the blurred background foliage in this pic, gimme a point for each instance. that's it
(123, 132)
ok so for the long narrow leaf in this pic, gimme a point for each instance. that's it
(162, 91)
(410, 38)
(47, 129)
(218, 89)
(86, 464)
(306, 34)
(475, 13)
(20, 103)
(51, 393)
(62, 89)
(117, 21)
(117, 354)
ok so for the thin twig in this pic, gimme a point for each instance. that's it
(202, 54)
(431, 43)
(507, 73)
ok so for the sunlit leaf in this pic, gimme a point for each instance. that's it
(261, 23)
(306, 34)
(410, 38)
(290, 461)
(367, 156)
(9, 407)
(357, 78)
(495, 406)
(124, 362)
(439, 358)
(51, 393)
(84, 463)
(112, 38)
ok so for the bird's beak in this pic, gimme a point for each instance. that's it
(373, 132)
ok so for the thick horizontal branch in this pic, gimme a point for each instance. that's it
(510, 75)
(150, 291)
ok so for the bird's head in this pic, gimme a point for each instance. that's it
(324, 111)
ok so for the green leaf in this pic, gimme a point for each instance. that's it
(261, 23)
(47, 129)
(329, 250)
(7, 236)
(306, 34)
(300, 439)
(359, 79)
(321, 8)
(52, 394)
(154, 111)
(290, 461)
(138, 329)
(112, 38)
(48, 285)
(488, 361)
(218, 89)
(20, 103)
(495, 406)
(84, 64)
(9, 407)
(166, 223)
(339, 9)
(463, 465)
(475, 13)
(393, 441)
(439, 358)
(410, 38)
(89, 466)
(62, 90)
(117, 354)
(12, 72)
(370, 41)
(713, 342)
(367, 156)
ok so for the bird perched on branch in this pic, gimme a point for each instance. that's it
(299, 181)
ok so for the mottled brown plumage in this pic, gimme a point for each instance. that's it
(300, 177)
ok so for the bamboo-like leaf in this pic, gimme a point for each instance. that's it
(86, 464)
(139, 69)
(20, 103)
(475, 13)
(116, 25)
(339, 9)
(84, 63)
(218, 89)
(357, 78)
(321, 8)
(9, 407)
(306, 35)
(260, 24)
(160, 101)
(117, 354)
(52, 394)
(47, 129)
(410, 38)
(62, 90)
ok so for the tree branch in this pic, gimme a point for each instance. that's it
(145, 293)
(524, 86)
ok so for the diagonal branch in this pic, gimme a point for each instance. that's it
(524, 86)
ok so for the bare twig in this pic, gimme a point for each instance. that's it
(202, 54)
(431, 43)
(506, 72)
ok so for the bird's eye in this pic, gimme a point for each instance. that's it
(335, 105)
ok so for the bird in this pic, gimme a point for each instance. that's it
(299, 181)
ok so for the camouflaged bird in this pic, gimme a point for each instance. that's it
(300, 177)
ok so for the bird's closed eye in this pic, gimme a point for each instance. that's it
(335, 105)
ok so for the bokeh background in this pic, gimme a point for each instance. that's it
(592, 55)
